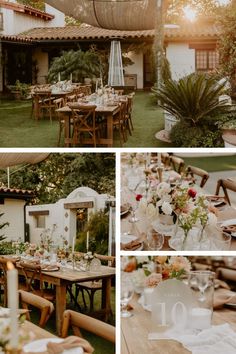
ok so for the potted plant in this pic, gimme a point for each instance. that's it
(192, 100)
(227, 124)
(19, 90)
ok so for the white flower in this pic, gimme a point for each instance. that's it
(151, 211)
(162, 189)
(143, 205)
(142, 259)
(138, 278)
(212, 219)
(166, 208)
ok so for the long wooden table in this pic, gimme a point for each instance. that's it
(107, 112)
(39, 333)
(62, 279)
(134, 332)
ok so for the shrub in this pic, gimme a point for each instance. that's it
(184, 135)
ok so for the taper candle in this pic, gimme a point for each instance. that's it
(13, 304)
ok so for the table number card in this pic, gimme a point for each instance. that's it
(172, 302)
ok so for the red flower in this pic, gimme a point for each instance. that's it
(192, 193)
(139, 197)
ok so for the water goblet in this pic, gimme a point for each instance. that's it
(155, 240)
(126, 293)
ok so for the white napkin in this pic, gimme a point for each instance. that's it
(215, 340)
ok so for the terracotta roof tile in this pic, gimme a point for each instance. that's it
(86, 32)
(29, 10)
(16, 191)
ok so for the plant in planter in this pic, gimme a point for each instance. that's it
(20, 90)
(192, 100)
(227, 124)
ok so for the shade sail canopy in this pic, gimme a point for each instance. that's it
(12, 159)
(111, 14)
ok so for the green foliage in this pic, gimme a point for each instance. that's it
(2, 226)
(20, 87)
(192, 98)
(98, 227)
(60, 174)
(185, 135)
(37, 4)
(227, 42)
(227, 120)
(80, 64)
(6, 248)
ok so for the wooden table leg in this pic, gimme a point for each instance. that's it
(60, 305)
(106, 297)
(110, 130)
(67, 137)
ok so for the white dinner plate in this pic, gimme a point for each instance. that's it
(40, 345)
(229, 222)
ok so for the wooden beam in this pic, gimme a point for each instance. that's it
(38, 212)
(80, 205)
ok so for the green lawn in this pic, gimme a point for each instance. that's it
(18, 129)
(212, 164)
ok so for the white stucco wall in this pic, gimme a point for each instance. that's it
(64, 219)
(14, 214)
(42, 64)
(181, 59)
(136, 68)
(16, 22)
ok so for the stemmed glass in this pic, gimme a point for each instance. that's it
(155, 240)
(201, 279)
(126, 293)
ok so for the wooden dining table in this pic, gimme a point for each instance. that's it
(62, 279)
(108, 112)
(135, 329)
(36, 331)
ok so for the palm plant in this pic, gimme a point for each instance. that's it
(80, 64)
(192, 98)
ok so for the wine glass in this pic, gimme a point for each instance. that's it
(155, 240)
(126, 293)
(202, 280)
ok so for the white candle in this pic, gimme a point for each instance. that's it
(163, 314)
(200, 318)
(71, 77)
(59, 77)
(159, 160)
(148, 296)
(73, 245)
(13, 304)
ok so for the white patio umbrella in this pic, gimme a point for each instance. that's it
(12, 159)
(112, 14)
(9, 159)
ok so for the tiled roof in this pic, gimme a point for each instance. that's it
(86, 32)
(16, 192)
(28, 10)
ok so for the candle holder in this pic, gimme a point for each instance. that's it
(10, 350)
(160, 173)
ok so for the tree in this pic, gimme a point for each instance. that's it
(34, 3)
(60, 174)
(2, 226)
(81, 64)
(227, 43)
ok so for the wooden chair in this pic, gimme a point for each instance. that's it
(32, 274)
(91, 287)
(71, 98)
(45, 307)
(177, 164)
(43, 104)
(59, 103)
(195, 171)
(79, 321)
(84, 123)
(129, 110)
(226, 184)
(3, 277)
(119, 122)
(165, 158)
(228, 275)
